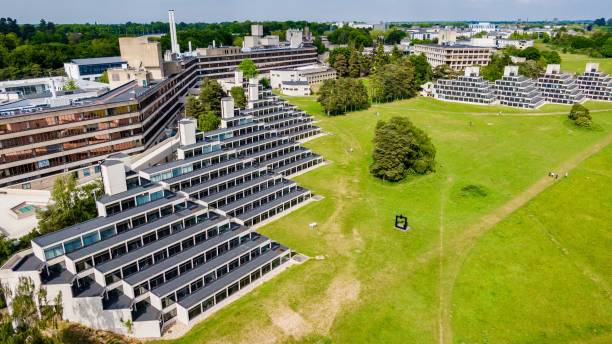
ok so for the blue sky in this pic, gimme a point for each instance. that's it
(119, 11)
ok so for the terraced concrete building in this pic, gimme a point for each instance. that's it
(173, 242)
(594, 84)
(469, 88)
(517, 90)
(558, 87)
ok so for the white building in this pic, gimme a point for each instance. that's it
(517, 90)
(594, 84)
(91, 68)
(482, 26)
(558, 87)
(296, 88)
(37, 86)
(312, 74)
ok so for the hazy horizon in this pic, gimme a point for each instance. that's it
(143, 11)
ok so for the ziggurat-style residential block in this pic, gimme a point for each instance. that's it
(469, 88)
(173, 242)
(558, 87)
(594, 84)
(517, 90)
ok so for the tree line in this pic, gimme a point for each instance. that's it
(533, 67)
(28, 50)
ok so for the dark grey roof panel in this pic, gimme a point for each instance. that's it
(177, 237)
(270, 205)
(203, 269)
(185, 255)
(225, 178)
(229, 279)
(253, 197)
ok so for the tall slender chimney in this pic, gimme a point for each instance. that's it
(173, 41)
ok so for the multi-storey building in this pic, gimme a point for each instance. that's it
(456, 56)
(558, 87)
(517, 90)
(312, 74)
(469, 88)
(594, 84)
(38, 143)
(172, 242)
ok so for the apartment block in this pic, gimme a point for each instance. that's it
(558, 87)
(456, 56)
(469, 88)
(594, 84)
(517, 90)
(173, 242)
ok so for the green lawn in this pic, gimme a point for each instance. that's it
(575, 63)
(379, 285)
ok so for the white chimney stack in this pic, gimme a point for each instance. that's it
(187, 131)
(190, 46)
(113, 176)
(238, 77)
(227, 107)
(253, 90)
(173, 41)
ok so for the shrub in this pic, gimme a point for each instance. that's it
(583, 121)
(579, 111)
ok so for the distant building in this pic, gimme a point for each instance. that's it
(517, 43)
(91, 68)
(594, 84)
(311, 74)
(558, 87)
(482, 26)
(469, 88)
(456, 56)
(44, 86)
(296, 88)
(517, 90)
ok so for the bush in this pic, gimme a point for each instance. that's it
(401, 148)
(583, 122)
(579, 111)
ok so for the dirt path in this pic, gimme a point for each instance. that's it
(463, 244)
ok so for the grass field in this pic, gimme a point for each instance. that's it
(575, 63)
(451, 278)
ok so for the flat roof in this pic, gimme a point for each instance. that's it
(270, 205)
(98, 60)
(255, 196)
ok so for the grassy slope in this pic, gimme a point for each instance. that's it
(543, 274)
(394, 274)
(575, 63)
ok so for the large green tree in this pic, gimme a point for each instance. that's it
(392, 82)
(210, 96)
(71, 204)
(237, 92)
(422, 69)
(248, 68)
(342, 95)
(400, 148)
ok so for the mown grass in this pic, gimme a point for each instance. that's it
(396, 274)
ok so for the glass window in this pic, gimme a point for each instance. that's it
(54, 252)
(142, 199)
(89, 239)
(72, 245)
(107, 232)
(157, 195)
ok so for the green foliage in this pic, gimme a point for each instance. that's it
(104, 77)
(581, 116)
(495, 69)
(208, 121)
(71, 204)
(578, 110)
(401, 148)
(265, 82)
(248, 68)
(532, 69)
(392, 82)
(481, 34)
(210, 96)
(193, 108)
(319, 44)
(349, 35)
(394, 36)
(70, 85)
(342, 95)
(341, 65)
(596, 44)
(354, 66)
(444, 71)
(379, 58)
(422, 69)
(237, 92)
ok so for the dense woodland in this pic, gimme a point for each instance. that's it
(28, 50)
